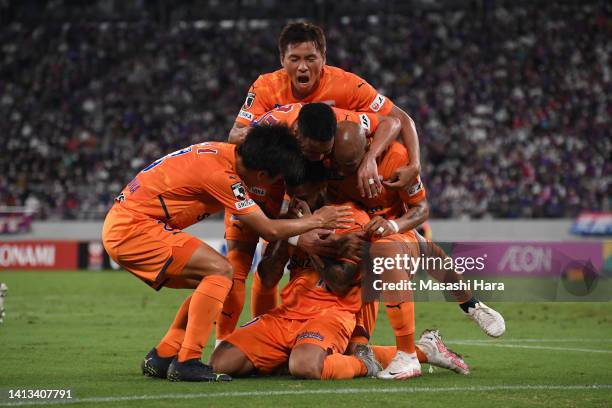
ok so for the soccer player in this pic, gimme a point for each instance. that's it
(314, 125)
(305, 77)
(397, 212)
(311, 328)
(143, 232)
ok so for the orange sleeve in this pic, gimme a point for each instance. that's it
(366, 98)
(227, 188)
(368, 121)
(415, 192)
(257, 102)
(286, 114)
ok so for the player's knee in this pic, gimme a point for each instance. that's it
(228, 359)
(305, 365)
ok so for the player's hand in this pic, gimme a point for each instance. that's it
(298, 208)
(368, 180)
(318, 242)
(378, 227)
(332, 217)
(351, 246)
(403, 177)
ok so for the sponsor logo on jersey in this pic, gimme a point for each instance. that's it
(248, 102)
(245, 115)
(240, 205)
(257, 191)
(365, 122)
(377, 103)
(310, 335)
(414, 189)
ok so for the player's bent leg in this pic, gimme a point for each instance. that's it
(306, 361)
(229, 359)
(204, 309)
(240, 256)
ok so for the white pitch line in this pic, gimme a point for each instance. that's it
(516, 340)
(332, 391)
(521, 346)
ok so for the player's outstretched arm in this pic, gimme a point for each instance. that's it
(410, 138)
(330, 217)
(238, 133)
(386, 132)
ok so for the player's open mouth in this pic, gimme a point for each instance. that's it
(303, 79)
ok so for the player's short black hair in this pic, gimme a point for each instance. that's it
(314, 172)
(274, 149)
(317, 121)
(296, 33)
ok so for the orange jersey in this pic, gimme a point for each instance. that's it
(337, 88)
(188, 185)
(288, 115)
(389, 204)
(306, 295)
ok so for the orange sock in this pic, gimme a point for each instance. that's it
(171, 343)
(401, 318)
(340, 367)
(232, 307)
(384, 354)
(204, 308)
(262, 299)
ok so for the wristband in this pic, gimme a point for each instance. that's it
(293, 240)
(394, 226)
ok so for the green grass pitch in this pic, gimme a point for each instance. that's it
(88, 331)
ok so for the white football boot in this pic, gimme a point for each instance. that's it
(438, 355)
(490, 321)
(402, 367)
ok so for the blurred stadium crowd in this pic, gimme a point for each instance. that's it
(513, 104)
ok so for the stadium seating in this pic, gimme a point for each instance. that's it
(513, 115)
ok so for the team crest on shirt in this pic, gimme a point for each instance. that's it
(249, 100)
(241, 196)
(377, 103)
(239, 191)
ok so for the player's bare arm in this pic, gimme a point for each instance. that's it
(238, 133)
(387, 131)
(414, 216)
(405, 175)
(273, 230)
(272, 264)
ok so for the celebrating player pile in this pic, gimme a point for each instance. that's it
(288, 134)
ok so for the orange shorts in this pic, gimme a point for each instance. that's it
(146, 247)
(267, 340)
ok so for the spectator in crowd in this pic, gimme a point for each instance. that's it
(513, 105)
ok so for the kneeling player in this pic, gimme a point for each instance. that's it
(143, 232)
